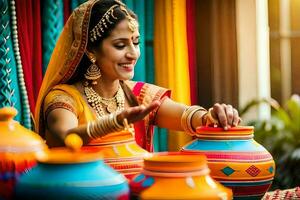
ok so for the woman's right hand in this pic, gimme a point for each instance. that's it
(137, 113)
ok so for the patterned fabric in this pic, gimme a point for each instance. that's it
(9, 86)
(288, 194)
(59, 99)
(69, 98)
(147, 93)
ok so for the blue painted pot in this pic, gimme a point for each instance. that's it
(72, 175)
(236, 160)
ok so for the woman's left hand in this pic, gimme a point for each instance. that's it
(225, 115)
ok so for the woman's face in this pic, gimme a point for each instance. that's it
(119, 53)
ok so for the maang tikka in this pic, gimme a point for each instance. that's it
(108, 18)
(93, 72)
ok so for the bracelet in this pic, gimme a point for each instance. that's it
(103, 126)
(187, 116)
(116, 121)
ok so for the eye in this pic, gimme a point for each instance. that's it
(136, 41)
(120, 45)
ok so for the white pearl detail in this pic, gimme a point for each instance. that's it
(24, 94)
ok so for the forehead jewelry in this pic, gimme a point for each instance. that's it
(100, 27)
(102, 24)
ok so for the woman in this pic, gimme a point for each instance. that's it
(87, 88)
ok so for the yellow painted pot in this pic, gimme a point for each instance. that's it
(121, 152)
(177, 176)
(18, 147)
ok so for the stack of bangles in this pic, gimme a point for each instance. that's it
(107, 124)
(187, 116)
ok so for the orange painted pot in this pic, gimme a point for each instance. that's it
(236, 160)
(121, 152)
(177, 175)
(18, 147)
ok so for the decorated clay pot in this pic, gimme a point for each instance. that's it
(121, 152)
(236, 160)
(18, 146)
(74, 174)
(177, 175)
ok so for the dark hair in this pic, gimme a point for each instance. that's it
(98, 10)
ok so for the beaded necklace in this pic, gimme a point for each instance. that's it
(116, 103)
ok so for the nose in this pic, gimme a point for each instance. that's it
(133, 52)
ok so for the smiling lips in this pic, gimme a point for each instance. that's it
(127, 67)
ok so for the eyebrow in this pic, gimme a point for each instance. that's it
(138, 37)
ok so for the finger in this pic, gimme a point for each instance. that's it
(137, 113)
(221, 115)
(229, 114)
(147, 110)
(127, 113)
(236, 118)
(151, 107)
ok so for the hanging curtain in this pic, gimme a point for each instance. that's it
(191, 40)
(149, 32)
(29, 35)
(171, 56)
(53, 22)
(216, 53)
(160, 140)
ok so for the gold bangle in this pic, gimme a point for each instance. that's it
(107, 124)
(116, 123)
(186, 118)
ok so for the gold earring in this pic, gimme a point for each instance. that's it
(93, 72)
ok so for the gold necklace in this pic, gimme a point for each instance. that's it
(116, 103)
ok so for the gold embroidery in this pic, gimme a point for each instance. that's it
(59, 100)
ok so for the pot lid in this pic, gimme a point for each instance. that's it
(175, 162)
(71, 154)
(15, 137)
(238, 130)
